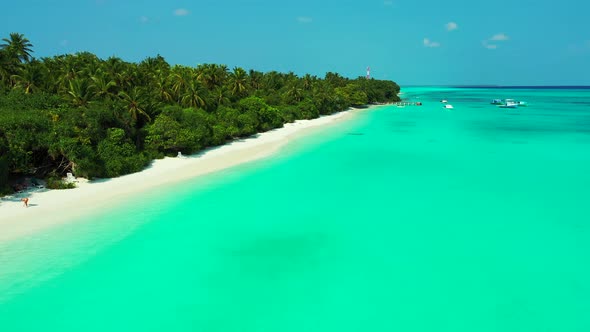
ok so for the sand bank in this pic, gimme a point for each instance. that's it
(53, 207)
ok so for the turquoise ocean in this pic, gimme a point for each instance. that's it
(401, 219)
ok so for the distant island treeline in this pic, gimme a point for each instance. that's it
(105, 118)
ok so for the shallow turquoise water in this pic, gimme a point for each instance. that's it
(405, 219)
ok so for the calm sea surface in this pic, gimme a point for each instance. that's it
(403, 219)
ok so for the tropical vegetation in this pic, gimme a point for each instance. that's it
(108, 117)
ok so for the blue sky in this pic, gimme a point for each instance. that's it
(438, 42)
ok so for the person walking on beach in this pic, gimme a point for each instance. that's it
(25, 201)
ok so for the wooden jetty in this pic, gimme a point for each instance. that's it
(408, 103)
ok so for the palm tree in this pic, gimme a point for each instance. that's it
(255, 79)
(163, 88)
(308, 81)
(179, 80)
(18, 47)
(193, 95)
(291, 77)
(66, 70)
(154, 66)
(273, 80)
(335, 80)
(53, 74)
(102, 86)
(151, 69)
(113, 65)
(31, 77)
(212, 75)
(238, 82)
(4, 68)
(120, 72)
(220, 96)
(136, 103)
(79, 92)
(294, 92)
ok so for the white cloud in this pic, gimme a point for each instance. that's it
(499, 37)
(451, 26)
(304, 19)
(429, 43)
(181, 12)
(489, 46)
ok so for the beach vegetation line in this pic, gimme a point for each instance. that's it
(107, 117)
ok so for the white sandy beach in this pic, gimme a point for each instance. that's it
(54, 207)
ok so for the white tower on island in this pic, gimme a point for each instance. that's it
(368, 72)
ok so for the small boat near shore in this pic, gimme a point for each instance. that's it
(448, 106)
(508, 103)
(402, 104)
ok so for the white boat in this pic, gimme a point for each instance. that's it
(444, 101)
(448, 106)
(509, 103)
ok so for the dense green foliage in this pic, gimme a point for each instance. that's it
(105, 118)
(54, 182)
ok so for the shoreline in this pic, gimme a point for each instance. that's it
(55, 207)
